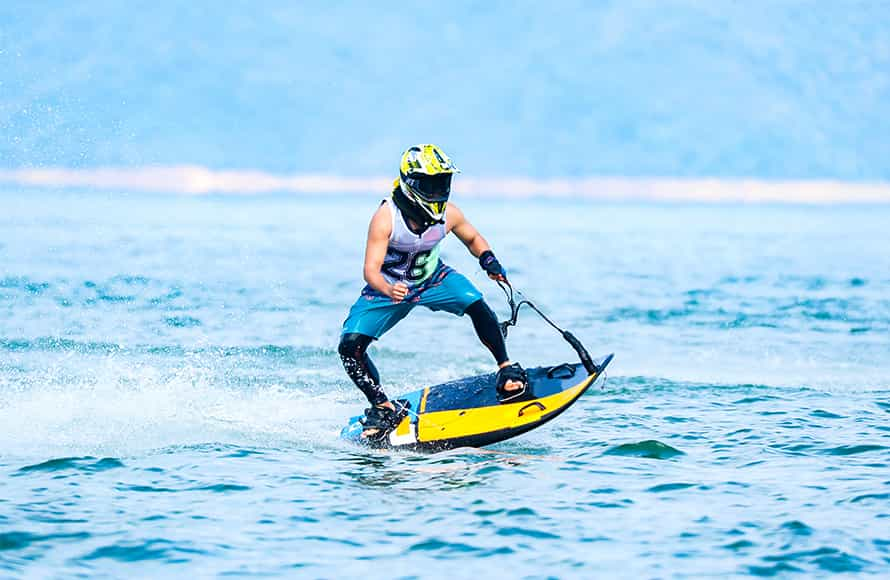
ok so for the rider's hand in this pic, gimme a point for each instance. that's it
(398, 291)
(492, 267)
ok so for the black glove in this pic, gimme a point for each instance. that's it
(491, 265)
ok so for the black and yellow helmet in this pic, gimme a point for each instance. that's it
(425, 179)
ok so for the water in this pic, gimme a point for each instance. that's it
(170, 394)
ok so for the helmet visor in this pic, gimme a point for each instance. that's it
(430, 188)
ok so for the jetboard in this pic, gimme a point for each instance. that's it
(466, 412)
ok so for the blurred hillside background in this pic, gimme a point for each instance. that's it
(690, 88)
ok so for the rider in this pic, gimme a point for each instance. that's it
(403, 269)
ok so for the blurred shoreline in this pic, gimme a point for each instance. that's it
(198, 180)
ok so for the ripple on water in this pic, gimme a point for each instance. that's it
(649, 449)
(670, 487)
(528, 533)
(221, 488)
(827, 558)
(773, 570)
(153, 549)
(83, 464)
(757, 399)
(800, 449)
(854, 449)
(620, 504)
(797, 528)
(740, 545)
(822, 414)
(21, 540)
(871, 496)
(445, 549)
(215, 488)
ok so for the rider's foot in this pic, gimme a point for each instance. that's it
(512, 382)
(379, 420)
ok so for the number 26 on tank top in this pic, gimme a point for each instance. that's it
(415, 267)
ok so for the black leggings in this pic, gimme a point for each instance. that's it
(488, 330)
(354, 346)
(353, 352)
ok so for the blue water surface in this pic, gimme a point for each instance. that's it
(170, 394)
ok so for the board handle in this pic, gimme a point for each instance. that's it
(530, 405)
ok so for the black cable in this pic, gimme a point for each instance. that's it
(509, 292)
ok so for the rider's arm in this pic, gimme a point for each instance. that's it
(375, 250)
(474, 242)
(465, 231)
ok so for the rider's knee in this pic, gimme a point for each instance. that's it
(479, 310)
(353, 344)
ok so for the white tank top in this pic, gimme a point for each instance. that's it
(411, 258)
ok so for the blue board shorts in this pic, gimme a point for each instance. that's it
(374, 313)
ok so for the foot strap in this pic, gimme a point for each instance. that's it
(382, 420)
(513, 372)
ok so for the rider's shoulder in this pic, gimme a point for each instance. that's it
(454, 213)
(381, 221)
(453, 209)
